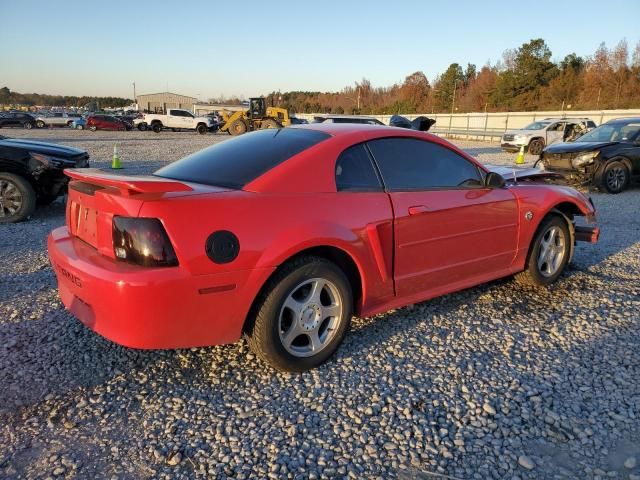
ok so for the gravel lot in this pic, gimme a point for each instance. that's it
(498, 381)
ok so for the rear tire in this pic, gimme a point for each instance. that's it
(238, 127)
(615, 177)
(142, 127)
(156, 127)
(93, 128)
(302, 315)
(548, 254)
(80, 127)
(17, 198)
(28, 125)
(536, 146)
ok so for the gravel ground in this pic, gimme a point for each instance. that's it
(498, 381)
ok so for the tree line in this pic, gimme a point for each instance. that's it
(7, 97)
(526, 79)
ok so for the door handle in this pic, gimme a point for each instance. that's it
(418, 209)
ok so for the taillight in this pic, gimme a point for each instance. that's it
(142, 241)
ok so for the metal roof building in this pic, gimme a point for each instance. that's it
(160, 102)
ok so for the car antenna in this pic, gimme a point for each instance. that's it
(515, 177)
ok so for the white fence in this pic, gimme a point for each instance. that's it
(493, 125)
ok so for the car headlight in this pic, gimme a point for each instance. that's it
(519, 138)
(52, 162)
(584, 159)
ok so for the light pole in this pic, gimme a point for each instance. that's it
(453, 99)
(134, 93)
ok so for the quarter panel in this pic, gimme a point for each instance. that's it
(273, 227)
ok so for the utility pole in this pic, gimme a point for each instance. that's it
(134, 93)
(453, 99)
(598, 100)
(358, 100)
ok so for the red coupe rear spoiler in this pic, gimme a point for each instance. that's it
(127, 184)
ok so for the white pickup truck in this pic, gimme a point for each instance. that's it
(175, 119)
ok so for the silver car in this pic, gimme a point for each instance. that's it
(57, 119)
(537, 135)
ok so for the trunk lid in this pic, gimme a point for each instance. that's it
(95, 197)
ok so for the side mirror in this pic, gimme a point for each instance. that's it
(494, 180)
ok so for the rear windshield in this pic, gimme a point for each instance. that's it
(234, 163)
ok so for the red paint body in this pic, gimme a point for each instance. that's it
(102, 122)
(407, 246)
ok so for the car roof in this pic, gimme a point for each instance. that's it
(561, 119)
(328, 115)
(625, 120)
(310, 170)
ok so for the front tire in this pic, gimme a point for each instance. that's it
(40, 124)
(549, 253)
(17, 198)
(142, 127)
(536, 146)
(302, 315)
(202, 129)
(269, 123)
(156, 127)
(615, 177)
(238, 127)
(93, 128)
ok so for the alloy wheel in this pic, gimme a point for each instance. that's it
(10, 199)
(310, 317)
(616, 178)
(552, 251)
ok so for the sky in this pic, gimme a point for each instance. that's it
(246, 48)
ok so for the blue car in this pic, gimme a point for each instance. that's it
(79, 124)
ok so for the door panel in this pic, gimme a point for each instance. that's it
(555, 133)
(444, 237)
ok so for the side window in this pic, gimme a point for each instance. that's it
(409, 164)
(355, 172)
(175, 113)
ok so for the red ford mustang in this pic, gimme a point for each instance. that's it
(284, 234)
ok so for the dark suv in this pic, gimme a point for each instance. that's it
(16, 119)
(607, 157)
(32, 172)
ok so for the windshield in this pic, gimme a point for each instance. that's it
(236, 162)
(536, 126)
(612, 132)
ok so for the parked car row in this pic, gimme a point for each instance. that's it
(539, 134)
(17, 119)
(607, 157)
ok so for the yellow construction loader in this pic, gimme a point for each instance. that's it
(258, 117)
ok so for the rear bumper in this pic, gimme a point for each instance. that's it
(151, 308)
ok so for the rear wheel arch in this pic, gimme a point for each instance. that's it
(338, 256)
